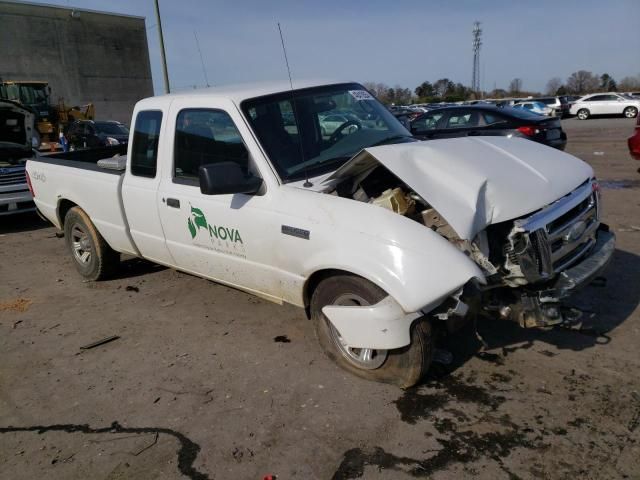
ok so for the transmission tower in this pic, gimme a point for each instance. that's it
(477, 42)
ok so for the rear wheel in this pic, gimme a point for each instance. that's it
(403, 366)
(583, 114)
(630, 112)
(92, 256)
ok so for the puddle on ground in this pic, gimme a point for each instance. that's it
(415, 404)
(619, 184)
(460, 445)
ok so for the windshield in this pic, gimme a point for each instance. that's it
(323, 128)
(109, 128)
(27, 94)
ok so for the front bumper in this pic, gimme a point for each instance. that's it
(542, 307)
(381, 326)
(584, 272)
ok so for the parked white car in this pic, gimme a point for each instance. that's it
(382, 239)
(605, 104)
(535, 107)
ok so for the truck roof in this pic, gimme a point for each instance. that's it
(239, 92)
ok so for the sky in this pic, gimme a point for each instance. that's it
(403, 42)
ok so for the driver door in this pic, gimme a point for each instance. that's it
(228, 238)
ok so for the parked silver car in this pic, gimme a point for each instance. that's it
(605, 104)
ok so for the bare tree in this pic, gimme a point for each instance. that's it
(515, 86)
(553, 85)
(629, 84)
(582, 81)
(379, 90)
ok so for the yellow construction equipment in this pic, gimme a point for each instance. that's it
(51, 119)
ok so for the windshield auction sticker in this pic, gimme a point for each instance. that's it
(361, 95)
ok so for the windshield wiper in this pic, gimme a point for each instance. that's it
(390, 139)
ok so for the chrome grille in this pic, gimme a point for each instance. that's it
(12, 176)
(559, 235)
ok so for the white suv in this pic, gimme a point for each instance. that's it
(605, 104)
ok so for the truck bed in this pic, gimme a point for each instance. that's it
(80, 181)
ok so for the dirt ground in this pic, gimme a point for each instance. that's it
(206, 382)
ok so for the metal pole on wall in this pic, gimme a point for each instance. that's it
(164, 57)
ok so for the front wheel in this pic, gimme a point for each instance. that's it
(583, 114)
(403, 366)
(92, 256)
(630, 112)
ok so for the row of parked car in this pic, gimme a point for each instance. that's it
(627, 104)
(535, 119)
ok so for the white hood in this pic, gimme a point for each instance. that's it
(474, 182)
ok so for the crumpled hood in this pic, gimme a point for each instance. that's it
(474, 182)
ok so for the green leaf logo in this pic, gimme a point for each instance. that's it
(192, 228)
(196, 221)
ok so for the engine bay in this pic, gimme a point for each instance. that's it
(378, 186)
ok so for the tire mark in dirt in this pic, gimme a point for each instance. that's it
(186, 454)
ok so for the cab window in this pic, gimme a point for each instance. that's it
(144, 156)
(203, 137)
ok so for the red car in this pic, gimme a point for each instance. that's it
(634, 142)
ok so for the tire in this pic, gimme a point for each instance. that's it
(630, 112)
(92, 256)
(403, 367)
(583, 114)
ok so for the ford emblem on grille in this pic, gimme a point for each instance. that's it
(575, 232)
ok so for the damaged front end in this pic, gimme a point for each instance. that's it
(548, 256)
(530, 263)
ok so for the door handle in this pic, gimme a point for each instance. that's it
(173, 202)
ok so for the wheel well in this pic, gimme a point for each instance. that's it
(63, 207)
(314, 280)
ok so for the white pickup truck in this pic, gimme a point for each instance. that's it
(381, 238)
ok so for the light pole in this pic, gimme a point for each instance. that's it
(477, 42)
(164, 57)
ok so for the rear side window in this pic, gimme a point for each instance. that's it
(204, 137)
(144, 151)
(427, 122)
(463, 119)
(491, 118)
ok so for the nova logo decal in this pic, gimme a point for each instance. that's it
(197, 220)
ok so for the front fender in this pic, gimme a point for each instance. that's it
(418, 267)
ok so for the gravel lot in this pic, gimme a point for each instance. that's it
(207, 382)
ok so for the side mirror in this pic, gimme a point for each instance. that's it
(227, 178)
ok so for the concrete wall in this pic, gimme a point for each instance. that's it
(86, 57)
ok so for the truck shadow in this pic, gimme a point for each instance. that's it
(136, 267)
(606, 305)
(22, 222)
